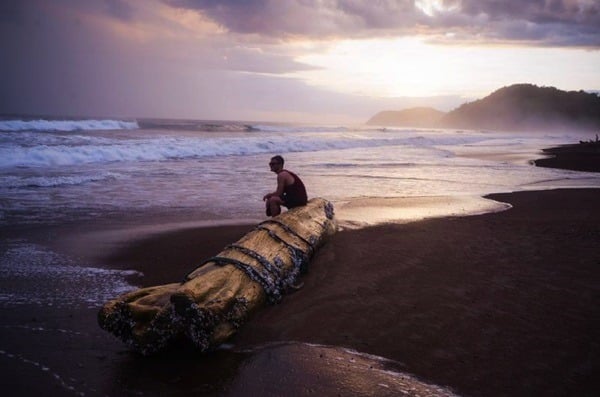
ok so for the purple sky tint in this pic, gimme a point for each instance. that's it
(247, 59)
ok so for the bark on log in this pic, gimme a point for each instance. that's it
(215, 299)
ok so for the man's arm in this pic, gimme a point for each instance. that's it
(283, 179)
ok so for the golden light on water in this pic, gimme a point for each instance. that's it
(371, 211)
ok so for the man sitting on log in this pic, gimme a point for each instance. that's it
(290, 190)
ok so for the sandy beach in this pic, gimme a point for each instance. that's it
(501, 304)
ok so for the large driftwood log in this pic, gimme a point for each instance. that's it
(215, 299)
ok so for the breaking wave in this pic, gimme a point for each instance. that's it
(12, 181)
(170, 148)
(66, 125)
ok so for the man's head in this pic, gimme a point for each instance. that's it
(276, 163)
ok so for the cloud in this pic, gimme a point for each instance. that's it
(243, 59)
(539, 22)
(10, 11)
(120, 9)
(549, 22)
(87, 61)
(302, 18)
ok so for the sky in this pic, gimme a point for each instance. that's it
(326, 61)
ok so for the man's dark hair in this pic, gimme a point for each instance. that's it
(278, 159)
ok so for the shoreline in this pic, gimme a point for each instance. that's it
(482, 304)
(583, 156)
(496, 304)
(490, 305)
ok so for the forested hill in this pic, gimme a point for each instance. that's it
(516, 107)
(526, 106)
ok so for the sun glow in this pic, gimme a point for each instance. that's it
(432, 7)
(390, 68)
(412, 67)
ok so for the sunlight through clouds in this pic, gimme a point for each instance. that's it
(396, 67)
(413, 67)
(432, 7)
(201, 58)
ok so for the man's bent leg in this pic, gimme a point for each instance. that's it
(274, 206)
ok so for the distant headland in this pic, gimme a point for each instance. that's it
(516, 107)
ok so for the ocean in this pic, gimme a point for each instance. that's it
(126, 173)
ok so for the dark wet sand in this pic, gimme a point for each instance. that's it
(504, 304)
(500, 304)
(583, 156)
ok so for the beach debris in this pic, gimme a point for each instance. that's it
(217, 297)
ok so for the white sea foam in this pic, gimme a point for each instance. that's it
(66, 125)
(54, 180)
(283, 128)
(104, 150)
(299, 129)
(366, 370)
(178, 166)
(30, 274)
